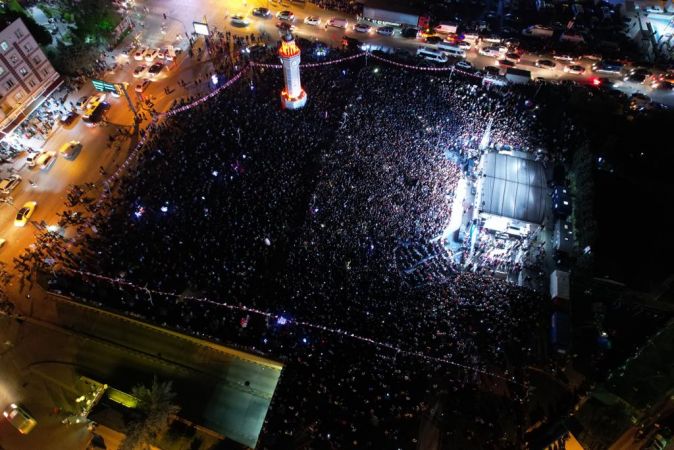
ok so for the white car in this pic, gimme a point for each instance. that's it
(8, 184)
(139, 54)
(574, 69)
(385, 31)
(338, 22)
(22, 218)
(464, 45)
(362, 28)
(31, 159)
(563, 57)
(19, 417)
(312, 20)
(141, 87)
(240, 21)
(151, 54)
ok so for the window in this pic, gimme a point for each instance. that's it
(28, 47)
(36, 59)
(9, 84)
(14, 59)
(18, 34)
(31, 83)
(23, 71)
(4, 46)
(2, 70)
(45, 71)
(18, 96)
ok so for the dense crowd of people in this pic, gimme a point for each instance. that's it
(321, 215)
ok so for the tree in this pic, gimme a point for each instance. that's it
(155, 407)
(95, 19)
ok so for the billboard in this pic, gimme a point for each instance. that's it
(201, 28)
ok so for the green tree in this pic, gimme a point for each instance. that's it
(95, 19)
(155, 407)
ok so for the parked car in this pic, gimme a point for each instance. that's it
(139, 71)
(141, 87)
(9, 184)
(17, 415)
(337, 22)
(68, 118)
(409, 33)
(139, 54)
(155, 69)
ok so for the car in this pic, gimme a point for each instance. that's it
(97, 115)
(463, 65)
(95, 100)
(362, 28)
(312, 20)
(46, 160)
(79, 104)
(70, 150)
(654, 9)
(3, 241)
(31, 159)
(9, 184)
(663, 85)
(385, 31)
(258, 49)
(545, 64)
(139, 71)
(68, 118)
(505, 63)
(574, 69)
(639, 101)
(239, 21)
(433, 40)
(17, 415)
(21, 219)
(337, 22)
(155, 69)
(261, 12)
(635, 78)
(151, 54)
(284, 27)
(285, 15)
(139, 54)
(563, 57)
(491, 70)
(512, 56)
(351, 43)
(142, 87)
(641, 71)
(464, 45)
(409, 33)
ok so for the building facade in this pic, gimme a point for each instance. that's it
(26, 76)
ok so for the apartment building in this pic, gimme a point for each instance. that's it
(27, 77)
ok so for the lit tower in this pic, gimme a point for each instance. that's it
(292, 96)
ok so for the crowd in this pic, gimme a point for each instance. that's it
(329, 215)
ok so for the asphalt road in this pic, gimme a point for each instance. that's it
(217, 387)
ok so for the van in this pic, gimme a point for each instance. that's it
(430, 54)
(451, 50)
(338, 23)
